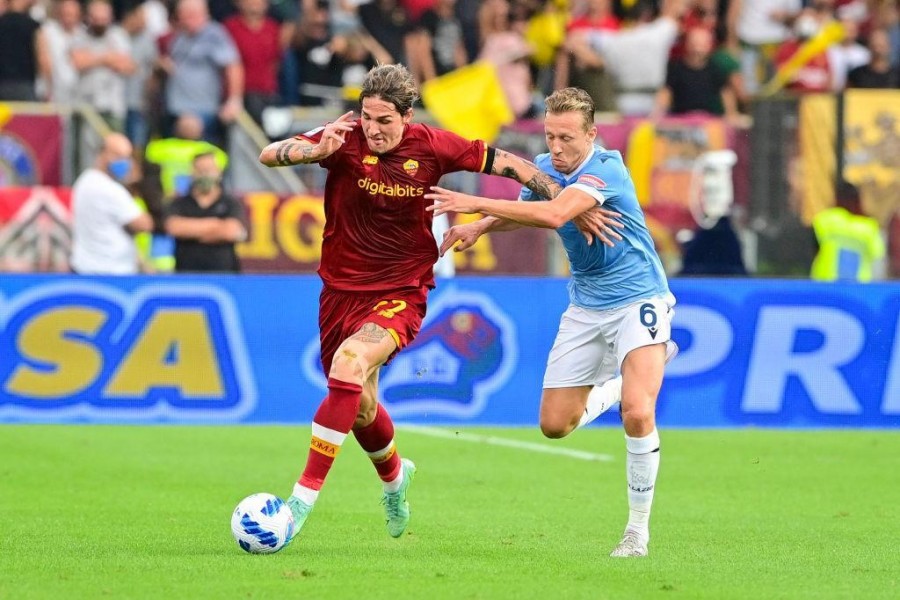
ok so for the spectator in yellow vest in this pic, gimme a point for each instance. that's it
(175, 155)
(850, 243)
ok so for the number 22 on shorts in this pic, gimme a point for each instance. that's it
(396, 306)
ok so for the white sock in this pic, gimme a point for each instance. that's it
(394, 485)
(307, 495)
(600, 399)
(641, 467)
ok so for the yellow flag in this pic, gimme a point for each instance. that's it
(5, 114)
(639, 158)
(830, 34)
(816, 168)
(546, 32)
(469, 102)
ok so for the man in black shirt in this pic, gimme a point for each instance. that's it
(440, 39)
(878, 74)
(694, 83)
(389, 24)
(23, 53)
(206, 223)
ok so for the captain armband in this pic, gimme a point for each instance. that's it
(489, 160)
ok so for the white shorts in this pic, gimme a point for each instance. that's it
(592, 344)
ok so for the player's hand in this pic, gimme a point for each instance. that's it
(449, 201)
(460, 237)
(599, 223)
(334, 134)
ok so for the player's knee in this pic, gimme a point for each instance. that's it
(556, 428)
(638, 418)
(349, 363)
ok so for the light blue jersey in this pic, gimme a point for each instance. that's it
(604, 277)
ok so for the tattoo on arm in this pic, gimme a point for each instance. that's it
(509, 172)
(283, 154)
(542, 185)
(506, 171)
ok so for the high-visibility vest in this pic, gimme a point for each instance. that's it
(175, 158)
(156, 249)
(848, 245)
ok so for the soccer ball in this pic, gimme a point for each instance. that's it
(262, 524)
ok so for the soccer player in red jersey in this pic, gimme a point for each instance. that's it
(378, 254)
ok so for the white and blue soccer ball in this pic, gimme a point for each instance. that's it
(262, 524)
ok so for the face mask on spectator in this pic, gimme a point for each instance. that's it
(205, 183)
(119, 169)
(806, 27)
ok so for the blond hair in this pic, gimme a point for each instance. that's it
(571, 99)
(391, 83)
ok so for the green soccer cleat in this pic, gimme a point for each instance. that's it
(396, 508)
(300, 510)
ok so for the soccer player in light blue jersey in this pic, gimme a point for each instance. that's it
(614, 338)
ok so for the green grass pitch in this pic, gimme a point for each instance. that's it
(143, 512)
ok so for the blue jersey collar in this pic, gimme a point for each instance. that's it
(574, 174)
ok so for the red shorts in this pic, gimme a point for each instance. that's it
(341, 314)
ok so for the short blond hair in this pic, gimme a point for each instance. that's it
(571, 99)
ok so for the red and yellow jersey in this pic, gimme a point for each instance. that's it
(377, 232)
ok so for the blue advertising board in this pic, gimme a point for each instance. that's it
(245, 349)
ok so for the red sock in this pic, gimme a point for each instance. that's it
(331, 424)
(377, 439)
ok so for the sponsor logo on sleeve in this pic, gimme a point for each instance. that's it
(592, 181)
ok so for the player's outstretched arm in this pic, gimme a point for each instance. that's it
(295, 151)
(551, 215)
(463, 237)
(525, 172)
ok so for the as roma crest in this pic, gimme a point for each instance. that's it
(411, 167)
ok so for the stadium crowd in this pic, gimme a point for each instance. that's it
(144, 63)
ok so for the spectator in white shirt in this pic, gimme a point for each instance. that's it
(105, 215)
(637, 57)
(60, 32)
(102, 55)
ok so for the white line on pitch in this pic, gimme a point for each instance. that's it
(499, 441)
